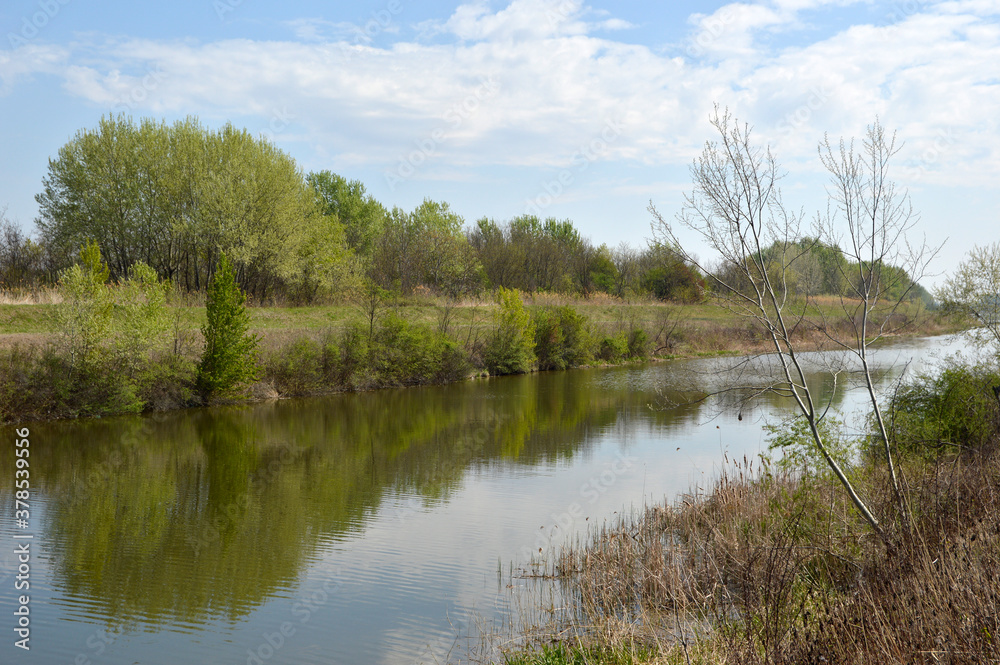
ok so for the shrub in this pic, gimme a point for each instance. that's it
(229, 361)
(799, 451)
(407, 354)
(562, 338)
(638, 343)
(510, 348)
(954, 408)
(613, 348)
(351, 371)
(549, 341)
(298, 368)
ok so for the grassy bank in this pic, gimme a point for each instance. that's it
(773, 565)
(392, 342)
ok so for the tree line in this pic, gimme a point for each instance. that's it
(176, 197)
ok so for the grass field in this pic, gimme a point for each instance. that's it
(679, 329)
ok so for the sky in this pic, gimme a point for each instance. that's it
(577, 110)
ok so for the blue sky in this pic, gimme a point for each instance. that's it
(565, 108)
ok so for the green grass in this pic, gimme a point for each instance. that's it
(561, 654)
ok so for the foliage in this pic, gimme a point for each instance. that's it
(532, 255)
(406, 354)
(668, 277)
(176, 196)
(798, 449)
(85, 314)
(954, 409)
(140, 316)
(613, 348)
(229, 361)
(561, 654)
(638, 343)
(22, 260)
(361, 216)
(425, 247)
(562, 338)
(510, 348)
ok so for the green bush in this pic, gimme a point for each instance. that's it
(549, 341)
(799, 450)
(298, 368)
(510, 348)
(562, 654)
(956, 408)
(352, 370)
(562, 338)
(613, 348)
(406, 354)
(638, 343)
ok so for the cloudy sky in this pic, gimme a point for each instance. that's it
(564, 108)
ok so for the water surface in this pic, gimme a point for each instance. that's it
(354, 529)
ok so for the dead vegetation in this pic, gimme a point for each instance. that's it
(772, 567)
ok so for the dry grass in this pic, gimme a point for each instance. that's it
(774, 568)
(43, 295)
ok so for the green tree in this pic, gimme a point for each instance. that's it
(176, 196)
(229, 361)
(84, 317)
(139, 318)
(361, 215)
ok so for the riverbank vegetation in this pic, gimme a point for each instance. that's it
(773, 564)
(878, 547)
(344, 293)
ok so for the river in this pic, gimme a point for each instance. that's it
(351, 529)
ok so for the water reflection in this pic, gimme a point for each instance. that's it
(201, 520)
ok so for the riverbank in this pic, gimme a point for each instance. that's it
(774, 565)
(398, 342)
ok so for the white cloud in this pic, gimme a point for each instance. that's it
(559, 85)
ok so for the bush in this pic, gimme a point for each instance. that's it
(562, 338)
(298, 368)
(956, 408)
(406, 354)
(614, 348)
(510, 348)
(351, 371)
(638, 343)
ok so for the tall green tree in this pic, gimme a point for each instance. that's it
(229, 362)
(360, 214)
(177, 196)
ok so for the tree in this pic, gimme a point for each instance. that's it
(84, 316)
(229, 361)
(21, 258)
(974, 291)
(626, 262)
(176, 196)
(884, 263)
(737, 209)
(360, 214)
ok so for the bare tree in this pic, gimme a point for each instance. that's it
(737, 209)
(626, 261)
(871, 220)
(974, 291)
